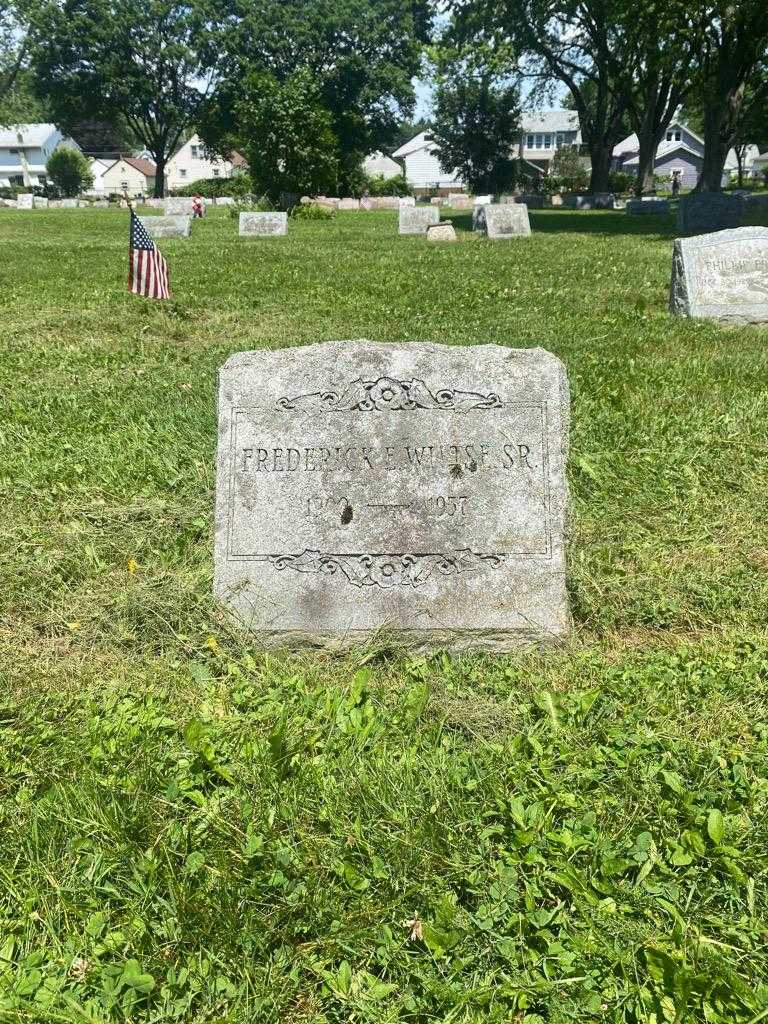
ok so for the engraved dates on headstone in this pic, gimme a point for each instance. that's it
(414, 489)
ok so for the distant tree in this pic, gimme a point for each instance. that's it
(94, 136)
(361, 56)
(567, 164)
(69, 170)
(14, 44)
(731, 78)
(477, 126)
(150, 64)
(572, 42)
(20, 105)
(287, 135)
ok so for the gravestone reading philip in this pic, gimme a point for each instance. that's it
(722, 276)
(415, 489)
(414, 220)
(167, 227)
(272, 222)
(504, 220)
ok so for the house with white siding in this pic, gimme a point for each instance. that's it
(130, 174)
(421, 158)
(24, 152)
(99, 167)
(542, 133)
(377, 165)
(191, 162)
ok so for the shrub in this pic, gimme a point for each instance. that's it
(211, 188)
(378, 185)
(620, 181)
(249, 204)
(69, 171)
(311, 211)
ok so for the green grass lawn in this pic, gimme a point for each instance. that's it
(192, 830)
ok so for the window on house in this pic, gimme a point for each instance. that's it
(13, 152)
(674, 135)
(539, 141)
(16, 179)
(42, 179)
(124, 186)
(197, 152)
(215, 172)
(547, 142)
(182, 172)
(529, 142)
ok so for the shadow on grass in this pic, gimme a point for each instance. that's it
(602, 222)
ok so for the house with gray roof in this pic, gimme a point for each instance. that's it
(24, 152)
(681, 152)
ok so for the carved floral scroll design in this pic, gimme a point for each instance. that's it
(388, 570)
(387, 393)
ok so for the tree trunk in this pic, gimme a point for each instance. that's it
(741, 152)
(600, 155)
(715, 147)
(159, 176)
(648, 144)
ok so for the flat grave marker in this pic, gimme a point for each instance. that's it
(415, 489)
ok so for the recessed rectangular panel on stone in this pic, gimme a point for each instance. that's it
(414, 489)
(167, 227)
(271, 222)
(722, 276)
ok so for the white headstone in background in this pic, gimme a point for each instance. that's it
(271, 222)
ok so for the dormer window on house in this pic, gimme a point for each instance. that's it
(674, 135)
(197, 152)
(539, 141)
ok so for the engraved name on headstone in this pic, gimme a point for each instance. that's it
(414, 220)
(722, 276)
(271, 222)
(167, 227)
(505, 220)
(417, 489)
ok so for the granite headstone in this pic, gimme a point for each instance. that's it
(722, 276)
(413, 220)
(505, 220)
(167, 227)
(413, 489)
(178, 206)
(271, 222)
(442, 232)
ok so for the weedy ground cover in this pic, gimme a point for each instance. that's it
(192, 830)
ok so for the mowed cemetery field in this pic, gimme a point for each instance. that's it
(193, 830)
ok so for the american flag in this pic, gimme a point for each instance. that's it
(147, 270)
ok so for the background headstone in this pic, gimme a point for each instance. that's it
(703, 212)
(69, 204)
(226, 201)
(505, 220)
(648, 205)
(414, 220)
(442, 232)
(272, 222)
(413, 489)
(178, 206)
(722, 276)
(167, 227)
(349, 204)
(40, 203)
(406, 201)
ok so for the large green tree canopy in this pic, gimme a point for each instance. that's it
(361, 55)
(149, 64)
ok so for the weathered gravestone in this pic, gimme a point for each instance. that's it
(414, 220)
(417, 489)
(226, 201)
(167, 227)
(505, 220)
(648, 204)
(708, 211)
(178, 206)
(478, 217)
(442, 232)
(349, 204)
(69, 204)
(406, 201)
(40, 203)
(272, 222)
(722, 276)
(25, 201)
